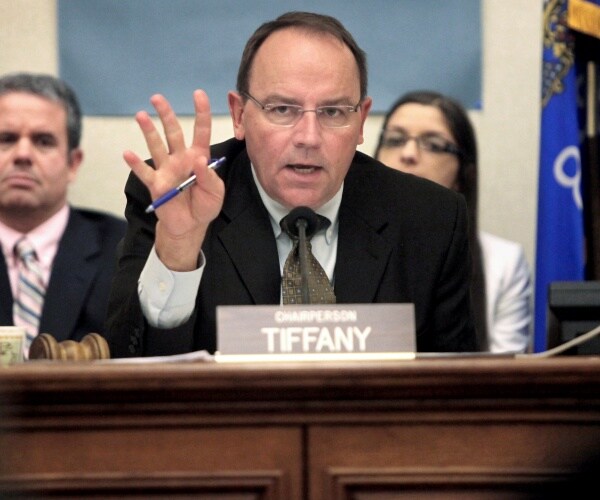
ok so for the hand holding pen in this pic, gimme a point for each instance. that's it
(178, 189)
(183, 221)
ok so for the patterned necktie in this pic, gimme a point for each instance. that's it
(319, 287)
(27, 305)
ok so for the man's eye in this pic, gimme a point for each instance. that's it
(7, 138)
(45, 140)
(281, 109)
(331, 111)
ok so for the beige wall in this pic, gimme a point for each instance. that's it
(507, 126)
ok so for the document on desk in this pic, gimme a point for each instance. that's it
(188, 357)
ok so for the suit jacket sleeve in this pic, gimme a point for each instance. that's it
(127, 331)
(453, 329)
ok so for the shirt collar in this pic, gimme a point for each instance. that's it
(44, 238)
(277, 211)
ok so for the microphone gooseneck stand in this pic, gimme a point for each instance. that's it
(301, 225)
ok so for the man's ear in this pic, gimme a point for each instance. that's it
(365, 107)
(75, 161)
(236, 110)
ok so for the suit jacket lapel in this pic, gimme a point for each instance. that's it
(72, 273)
(248, 236)
(362, 257)
(363, 252)
(253, 252)
(6, 300)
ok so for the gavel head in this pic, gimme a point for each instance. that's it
(92, 346)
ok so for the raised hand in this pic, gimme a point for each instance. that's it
(182, 222)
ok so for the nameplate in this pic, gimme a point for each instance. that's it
(316, 332)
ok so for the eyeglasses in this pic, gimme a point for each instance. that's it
(288, 115)
(432, 143)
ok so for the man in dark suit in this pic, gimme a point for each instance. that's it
(40, 132)
(298, 115)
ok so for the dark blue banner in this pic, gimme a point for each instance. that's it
(560, 234)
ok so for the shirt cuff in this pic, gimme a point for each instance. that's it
(167, 297)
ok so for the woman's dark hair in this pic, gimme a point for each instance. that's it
(459, 124)
(310, 22)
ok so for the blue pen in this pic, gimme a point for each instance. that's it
(176, 190)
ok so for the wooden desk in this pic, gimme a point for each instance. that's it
(455, 428)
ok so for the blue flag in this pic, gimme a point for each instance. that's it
(560, 233)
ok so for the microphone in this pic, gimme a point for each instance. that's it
(301, 223)
(301, 216)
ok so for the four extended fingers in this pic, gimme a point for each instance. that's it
(173, 134)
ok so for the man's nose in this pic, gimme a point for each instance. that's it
(308, 130)
(23, 146)
(23, 150)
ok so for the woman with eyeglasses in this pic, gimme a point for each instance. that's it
(430, 135)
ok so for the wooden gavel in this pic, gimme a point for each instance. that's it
(92, 346)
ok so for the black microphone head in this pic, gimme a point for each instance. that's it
(299, 215)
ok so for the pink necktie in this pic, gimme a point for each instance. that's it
(28, 303)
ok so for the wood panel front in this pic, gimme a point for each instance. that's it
(74, 458)
(451, 457)
(446, 428)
